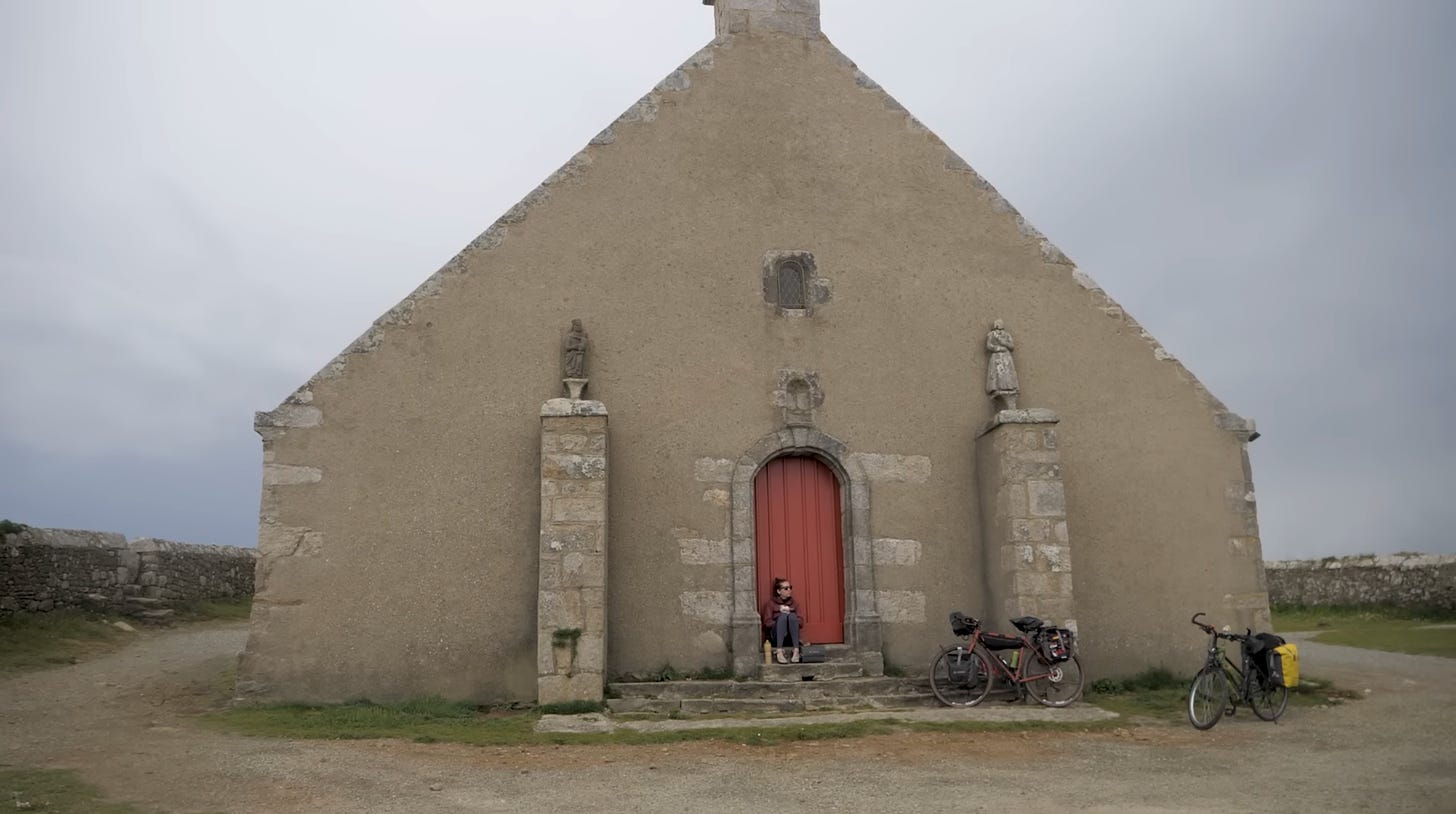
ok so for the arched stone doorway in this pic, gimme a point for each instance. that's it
(861, 626)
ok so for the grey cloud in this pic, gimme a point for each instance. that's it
(207, 201)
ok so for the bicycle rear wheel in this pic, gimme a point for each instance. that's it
(960, 677)
(1268, 700)
(1055, 684)
(1207, 698)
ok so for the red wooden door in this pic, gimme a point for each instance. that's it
(797, 537)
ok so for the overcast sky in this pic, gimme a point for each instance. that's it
(202, 202)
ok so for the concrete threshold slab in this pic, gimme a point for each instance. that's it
(986, 713)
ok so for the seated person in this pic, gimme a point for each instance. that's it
(781, 620)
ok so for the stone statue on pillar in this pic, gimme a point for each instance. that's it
(1001, 382)
(573, 360)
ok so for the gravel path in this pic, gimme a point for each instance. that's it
(124, 721)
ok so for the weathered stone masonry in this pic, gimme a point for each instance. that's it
(1028, 548)
(50, 569)
(571, 617)
(1422, 581)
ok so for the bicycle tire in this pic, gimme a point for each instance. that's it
(1060, 683)
(1268, 701)
(1207, 698)
(960, 677)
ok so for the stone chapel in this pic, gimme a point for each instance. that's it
(764, 324)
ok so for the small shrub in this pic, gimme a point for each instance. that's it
(666, 672)
(1149, 680)
(11, 527)
(571, 708)
(1108, 686)
(565, 636)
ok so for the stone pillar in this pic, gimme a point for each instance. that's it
(571, 609)
(1027, 550)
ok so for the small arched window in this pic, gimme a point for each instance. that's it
(791, 284)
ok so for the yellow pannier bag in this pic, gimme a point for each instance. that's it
(1284, 665)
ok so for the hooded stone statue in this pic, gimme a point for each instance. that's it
(1001, 380)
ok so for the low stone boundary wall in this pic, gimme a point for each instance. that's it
(1420, 581)
(49, 569)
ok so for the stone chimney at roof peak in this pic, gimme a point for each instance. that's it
(799, 18)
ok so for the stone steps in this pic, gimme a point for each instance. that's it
(811, 672)
(710, 697)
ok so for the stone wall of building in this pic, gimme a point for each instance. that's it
(49, 569)
(1423, 581)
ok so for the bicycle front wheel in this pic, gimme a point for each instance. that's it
(960, 677)
(1207, 698)
(1268, 700)
(1052, 684)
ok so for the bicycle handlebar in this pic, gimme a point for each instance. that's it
(1209, 629)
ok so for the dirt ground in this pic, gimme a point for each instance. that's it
(123, 720)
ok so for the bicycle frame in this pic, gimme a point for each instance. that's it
(1237, 677)
(1019, 676)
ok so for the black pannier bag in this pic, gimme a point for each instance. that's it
(1260, 650)
(1056, 643)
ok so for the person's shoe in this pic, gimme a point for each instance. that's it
(779, 656)
(795, 658)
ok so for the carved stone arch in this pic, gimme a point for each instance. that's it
(861, 614)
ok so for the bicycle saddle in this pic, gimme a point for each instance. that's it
(1027, 624)
(963, 625)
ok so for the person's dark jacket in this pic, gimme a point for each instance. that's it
(770, 611)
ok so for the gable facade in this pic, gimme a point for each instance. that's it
(772, 258)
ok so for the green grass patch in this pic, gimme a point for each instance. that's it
(32, 641)
(1161, 695)
(1155, 696)
(231, 610)
(436, 721)
(36, 641)
(1316, 617)
(56, 792)
(431, 718)
(1156, 693)
(1392, 630)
